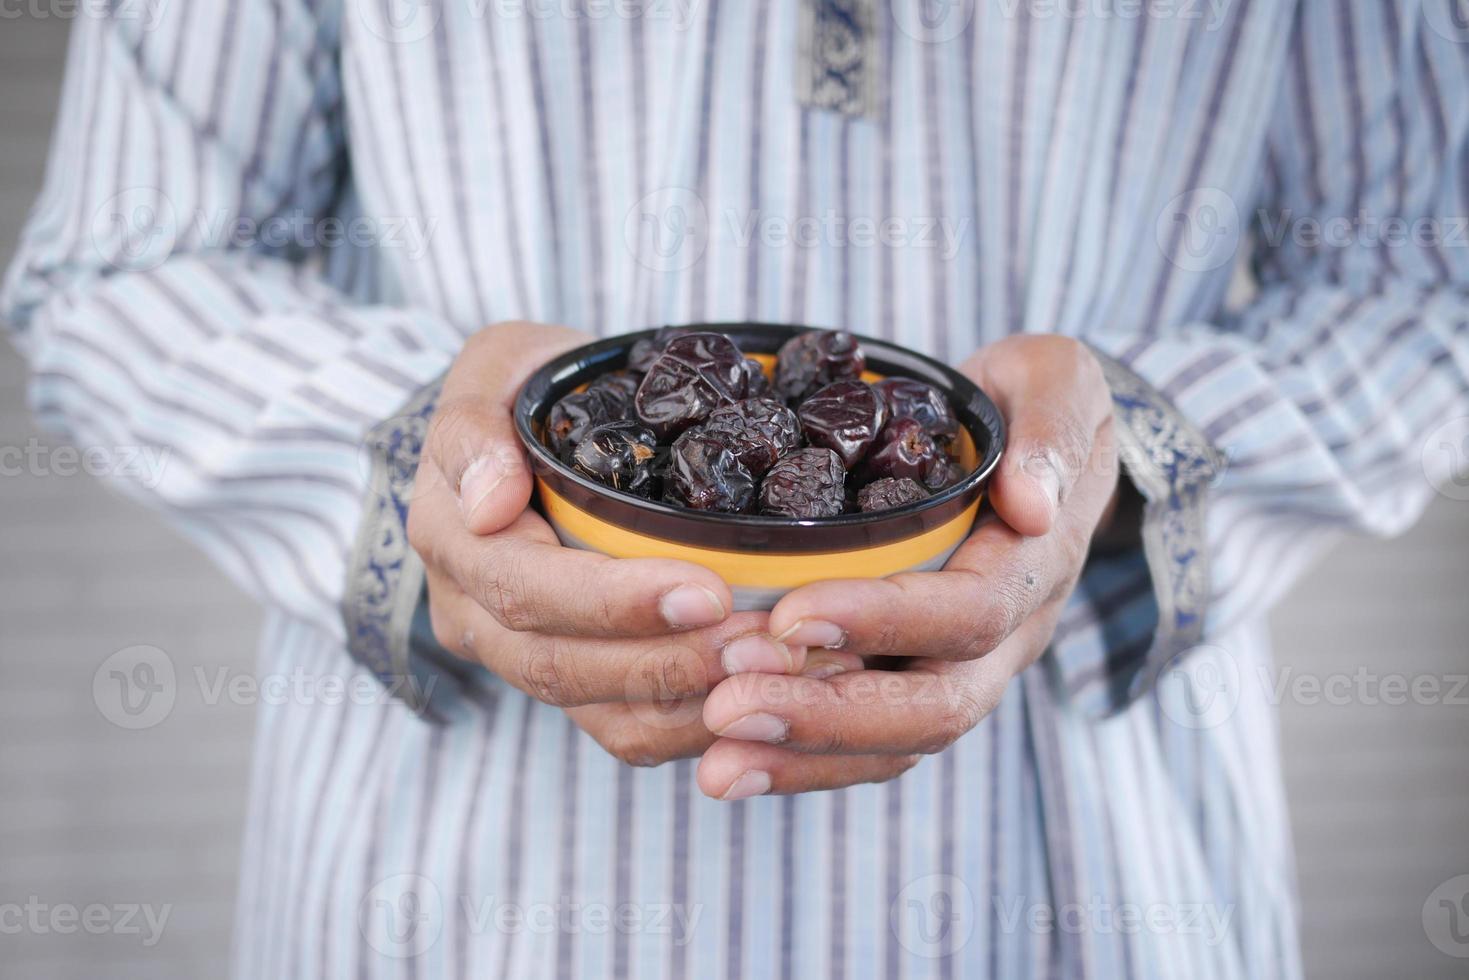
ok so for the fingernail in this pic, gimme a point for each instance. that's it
(691, 605)
(758, 727)
(815, 633)
(480, 479)
(756, 654)
(1043, 468)
(822, 669)
(751, 783)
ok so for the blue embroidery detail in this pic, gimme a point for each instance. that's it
(385, 576)
(837, 45)
(1173, 465)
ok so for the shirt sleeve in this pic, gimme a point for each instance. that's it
(173, 290)
(1323, 394)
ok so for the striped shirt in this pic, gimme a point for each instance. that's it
(269, 223)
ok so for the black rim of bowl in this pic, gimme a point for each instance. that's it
(737, 531)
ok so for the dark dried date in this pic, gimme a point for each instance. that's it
(742, 441)
(810, 361)
(644, 352)
(695, 374)
(758, 431)
(758, 384)
(805, 483)
(572, 416)
(845, 417)
(620, 455)
(625, 383)
(887, 493)
(907, 398)
(905, 449)
(704, 475)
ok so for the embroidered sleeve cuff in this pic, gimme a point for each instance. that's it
(1134, 612)
(384, 574)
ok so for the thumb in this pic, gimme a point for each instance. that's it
(473, 444)
(1055, 401)
(1048, 449)
(472, 439)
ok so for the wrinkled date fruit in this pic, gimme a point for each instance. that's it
(694, 422)
(619, 454)
(805, 483)
(644, 352)
(572, 416)
(811, 361)
(624, 383)
(904, 449)
(695, 374)
(758, 431)
(704, 475)
(759, 384)
(887, 493)
(906, 398)
(844, 417)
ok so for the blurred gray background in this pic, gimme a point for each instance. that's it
(91, 813)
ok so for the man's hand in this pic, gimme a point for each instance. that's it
(619, 643)
(964, 631)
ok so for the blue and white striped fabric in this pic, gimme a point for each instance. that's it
(1083, 169)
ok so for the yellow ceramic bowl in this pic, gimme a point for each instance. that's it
(762, 558)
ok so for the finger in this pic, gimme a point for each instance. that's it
(822, 664)
(570, 671)
(628, 734)
(474, 452)
(992, 583)
(733, 770)
(922, 709)
(1054, 399)
(1049, 447)
(472, 440)
(529, 582)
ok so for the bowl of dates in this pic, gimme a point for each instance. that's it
(774, 455)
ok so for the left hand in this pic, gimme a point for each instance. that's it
(967, 629)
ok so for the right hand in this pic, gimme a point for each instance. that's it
(628, 646)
